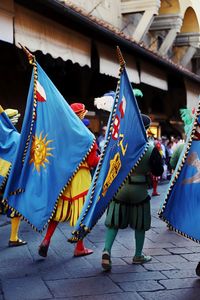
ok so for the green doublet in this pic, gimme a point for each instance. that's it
(131, 205)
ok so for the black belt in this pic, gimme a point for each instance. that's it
(132, 204)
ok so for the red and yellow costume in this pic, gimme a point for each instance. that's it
(71, 202)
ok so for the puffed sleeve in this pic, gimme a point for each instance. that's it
(93, 157)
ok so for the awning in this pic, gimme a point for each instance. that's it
(6, 25)
(193, 94)
(153, 76)
(109, 63)
(39, 33)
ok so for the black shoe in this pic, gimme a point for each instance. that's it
(106, 261)
(198, 269)
(16, 243)
(43, 249)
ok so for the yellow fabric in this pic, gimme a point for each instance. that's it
(15, 222)
(1, 109)
(4, 167)
(70, 210)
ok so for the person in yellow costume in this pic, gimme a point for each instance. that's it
(14, 240)
(72, 200)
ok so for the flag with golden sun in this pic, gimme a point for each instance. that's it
(53, 143)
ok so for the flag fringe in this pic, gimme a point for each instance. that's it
(179, 231)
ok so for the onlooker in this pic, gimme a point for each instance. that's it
(102, 138)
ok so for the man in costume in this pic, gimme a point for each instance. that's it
(72, 200)
(9, 138)
(131, 205)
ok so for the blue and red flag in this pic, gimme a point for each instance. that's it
(181, 207)
(9, 140)
(54, 142)
(126, 142)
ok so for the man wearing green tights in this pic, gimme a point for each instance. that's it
(131, 205)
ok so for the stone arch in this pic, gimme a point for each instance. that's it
(190, 21)
(190, 9)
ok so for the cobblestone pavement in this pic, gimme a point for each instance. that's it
(170, 274)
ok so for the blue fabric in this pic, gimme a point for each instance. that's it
(58, 143)
(125, 148)
(181, 207)
(9, 140)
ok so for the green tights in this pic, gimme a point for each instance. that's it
(111, 235)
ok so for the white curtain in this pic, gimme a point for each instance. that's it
(39, 33)
(153, 76)
(6, 26)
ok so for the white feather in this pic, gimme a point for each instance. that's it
(105, 103)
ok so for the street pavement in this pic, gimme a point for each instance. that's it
(170, 275)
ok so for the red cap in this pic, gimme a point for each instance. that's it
(79, 109)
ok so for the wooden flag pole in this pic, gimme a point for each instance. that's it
(120, 57)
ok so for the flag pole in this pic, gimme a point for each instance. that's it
(120, 57)
(32, 61)
(31, 57)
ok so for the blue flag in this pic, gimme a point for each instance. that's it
(54, 142)
(126, 143)
(181, 206)
(9, 140)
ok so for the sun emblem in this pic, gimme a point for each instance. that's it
(40, 151)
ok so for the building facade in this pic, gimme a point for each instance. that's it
(75, 42)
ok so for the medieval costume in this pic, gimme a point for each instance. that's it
(9, 138)
(131, 205)
(72, 200)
